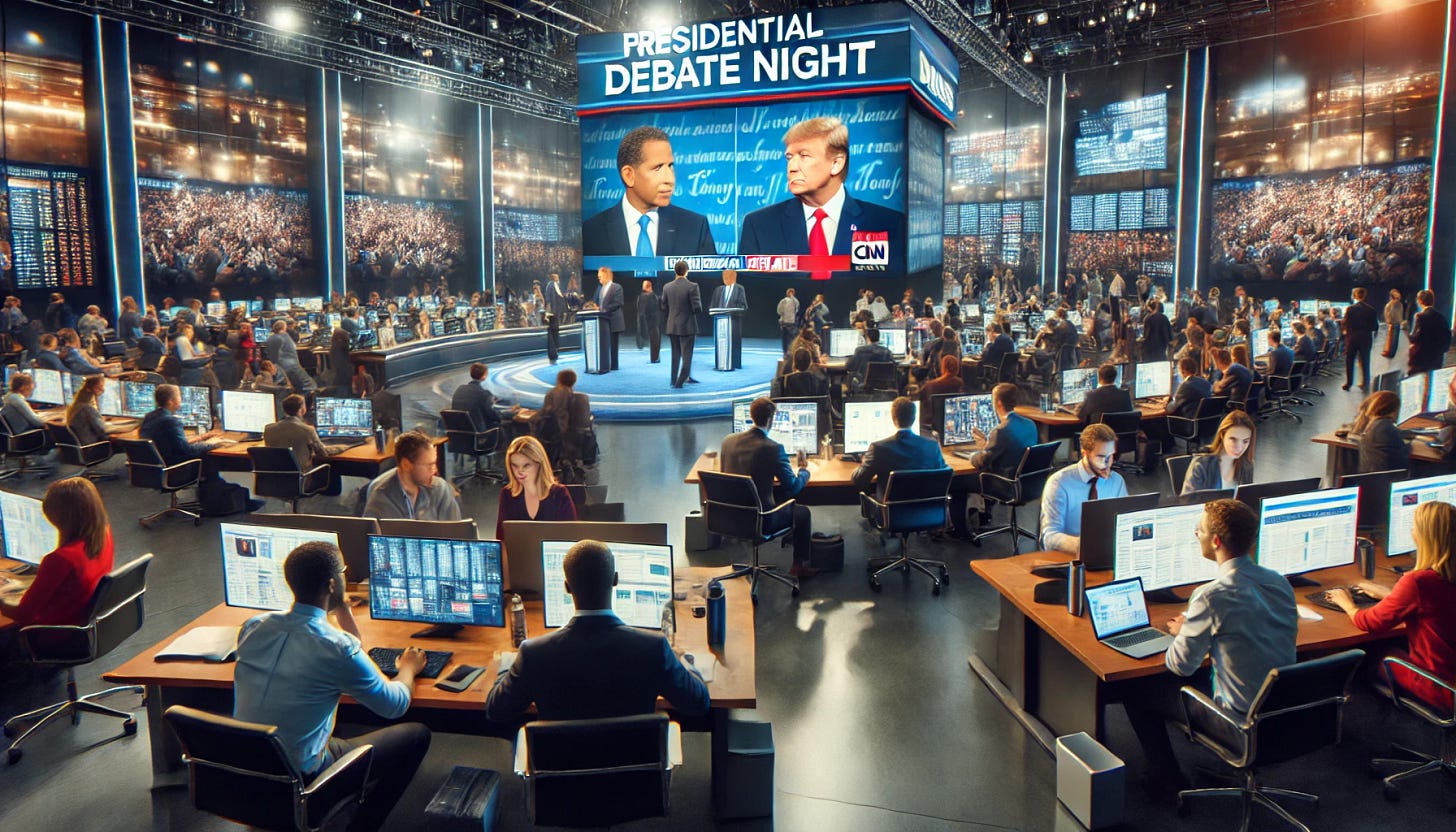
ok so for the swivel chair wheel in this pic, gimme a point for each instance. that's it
(1392, 793)
(944, 575)
(12, 756)
(875, 584)
(10, 732)
(795, 591)
(197, 521)
(129, 727)
(935, 588)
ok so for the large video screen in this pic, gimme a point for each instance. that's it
(1123, 136)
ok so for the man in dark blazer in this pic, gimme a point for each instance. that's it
(681, 303)
(1157, 333)
(473, 398)
(730, 295)
(901, 451)
(1194, 389)
(609, 300)
(1105, 398)
(556, 309)
(1361, 321)
(1001, 455)
(1281, 358)
(822, 217)
(282, 350)
(858, 364)
(998, 344)
(803, 381)
(49, 357)
(644, 161)
(649, 322)
(595, 667)
(1430, 336)
(755, 454)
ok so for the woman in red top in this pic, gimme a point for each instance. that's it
(67, 577)
(533, 492)
(1424, 600)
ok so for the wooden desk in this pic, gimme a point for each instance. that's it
(1060, 425)
(7, 564)
(1336, 445)
(1056, 678)
(185, 682)
(831, 481)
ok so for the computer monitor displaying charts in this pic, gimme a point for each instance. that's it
(138, 398)
(1259, 340)
(48, 387)
(343, 418)
(843, 342)
(795, 424)
(1308, 531)
(216, 309)
(893, 340)
(110, 402)
(1412, 394)
(866, 422)
(247, 412)
(447, 583)
(29, 536)
(196, 410)
(1438, 395)
(1077, 382)
(252, 563)
(644, 583)
(1153, 378)
(1159, 546)
(1404, 497)
(963, 414)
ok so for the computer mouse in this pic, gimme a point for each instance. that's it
(688, 657)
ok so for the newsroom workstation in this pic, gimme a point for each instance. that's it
(505, 440)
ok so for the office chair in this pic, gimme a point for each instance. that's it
(731, 507)
(463, 437)
(20, 440)
(276, 474)
(1018, 490)
(880, 378)
(1009, 364)
(598, 772)
(1197, 431)
(1178, 471)
(1281, 395)
(914, 501)
(1298, 372)
(86, 457)
(1126, 425)
(1298, 710)
(1418, 763)
(240, 771)
(147, 469)
(116, 612)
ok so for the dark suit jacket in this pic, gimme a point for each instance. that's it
(681, 303)
(592, 668)
(1235, 383)
(609, 299)
(1383, 448)
(740, 298)
(1203, 475)
(1281, 359)
(1006, 445)
(807, 383)
(679, 231)
(1361, 321)
(994, 351)
(1429, 339)
(49, 360)
(904, 451)
(1185, 401)
(555, 301)
(1103, 399)
(1157, 335)
(865, 355)
(474, 399)
(649, 314)
(165, 431)
(753, 453)
(780, 228)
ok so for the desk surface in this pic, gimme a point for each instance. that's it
(733, 684)
(1012, 578)
(1419, 449)
(833, 473)
(6, 563)
(1149, 410)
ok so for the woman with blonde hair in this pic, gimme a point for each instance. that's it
(67, 577)
(83, 414)
(1230, 459)
(1382, 446)
(532, 492)
(1424, 600)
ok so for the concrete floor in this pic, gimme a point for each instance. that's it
(878, 722)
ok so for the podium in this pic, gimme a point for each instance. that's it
(727, 338)
(596, 340)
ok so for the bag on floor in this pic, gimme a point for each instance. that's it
(220, 498)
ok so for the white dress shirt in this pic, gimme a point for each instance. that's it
(632, 215)
(833, 208)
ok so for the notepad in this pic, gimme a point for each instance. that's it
(208, 644)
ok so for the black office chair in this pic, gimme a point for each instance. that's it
(1009, 364)
(914, 501)
(1199, 430)
(1417, 763)
(147, 469)
(598, 772)
(1298, 372)
(1373, 510)
(463, 437)
(731, 508)
(1298, 710)
(241, 771)
(1178, 471)
(1280, 391)
(116, 612)
(70, 451)
(276, 474)
(1023, 487)
(1126, 425)
(880, 378)
(20, 440)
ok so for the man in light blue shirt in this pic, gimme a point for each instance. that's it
(1090, 478)
(293, 666)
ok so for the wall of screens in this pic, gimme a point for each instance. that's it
(536, 190)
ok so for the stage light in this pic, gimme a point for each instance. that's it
(211, 66)
(1027, 57)
(1041, 18)
(285, 18)
(33, 38)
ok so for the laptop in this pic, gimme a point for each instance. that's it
(1119, 616)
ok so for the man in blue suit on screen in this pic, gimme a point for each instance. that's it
(822, 217)
(645, 223)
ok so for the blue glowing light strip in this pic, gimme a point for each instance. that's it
(1436, 157)
(106, 162)
(1182, 159)
(1198, 194)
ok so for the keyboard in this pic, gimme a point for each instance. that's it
(1070, 409)
(385, 657)
(965, 453)
(337, 447)
(1134, 639)
(1322, 599)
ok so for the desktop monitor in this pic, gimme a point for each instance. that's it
(255, 307)
(1412, 394)
(1099, 523)
(252, 563)
(437, 328)
(343, 418)
(1159, 546)
(644, 583)
(335, 320)
(1036, 320)
(366, 339)
(971, 312)
(29, 536)
(795, 424)
(1438, 397)
(261, 333)
(1389, 380)
(237, 304)
(110, 402)
(522, 540)
(403, 334)
(454, 326)
(69, 383)
(196, 410)
(1259, 341)
(446, 583)
(893, 340)
(866, 422)
(963, 414)
(216, 309)
(1153, 378)
(1077, 382)
(1270, 305)
(246, 412)
(49, 389)
(1253, 494)
(843, 342)
(138, 398)
(353, 535)
(312, 304)
(1404, 497)
(1308, 531)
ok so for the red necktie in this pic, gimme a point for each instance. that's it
(818, 246)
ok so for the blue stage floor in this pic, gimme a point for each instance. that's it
(639, 391)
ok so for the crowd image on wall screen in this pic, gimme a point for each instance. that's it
(1129, 252)
(396, 245)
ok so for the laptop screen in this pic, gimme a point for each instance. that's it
(1116, 607)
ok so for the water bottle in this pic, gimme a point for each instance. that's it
(717, 614)
(379, 438)
(518, 621)
(826, 447)
(1076, 585)
(1046, 402)
(1365, 557)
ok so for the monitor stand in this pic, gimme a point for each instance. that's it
(1163, 596)
(1301, 581)
(438, 631)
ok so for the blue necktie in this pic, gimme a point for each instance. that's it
(644, 242)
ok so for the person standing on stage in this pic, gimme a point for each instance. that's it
(681, 303)
(609, 301)
(788, 318)
(730, 295)
(556, 309)
(1361, 321)
(649, 322)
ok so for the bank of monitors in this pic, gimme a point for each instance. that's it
(29, 536)
(964, 414)
(866, 422)
(1077, 382)
(795, 424)
(48, 386)
(1404, 497)
(246, 412)
(110, 402)
(843, 342)
(454, 326)
(448, 583)
(343, 418)
(1254, 494)
(403, 334)
(196, 409)
(644, 583)
(1438, 396)
(1259, 342)
(252, 563)
(893, 339)
(1152, 378)
(1308, 531)
(1159, 546)
(973, 341)
(1412, 394)
(216, 309)
(138, 398)
(437, 328)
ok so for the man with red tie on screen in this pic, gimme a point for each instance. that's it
(822, 217)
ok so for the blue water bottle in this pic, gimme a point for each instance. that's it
(379, 438)
(717, 614)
